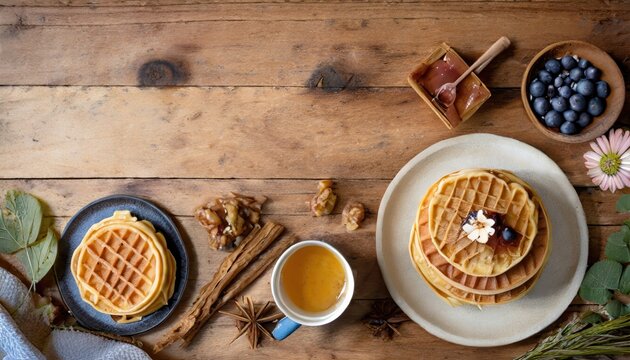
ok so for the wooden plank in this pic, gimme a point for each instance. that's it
(66, 132)
(350, 45)
(286, 197)
(345, 338)
(543, 4)
(359, 248)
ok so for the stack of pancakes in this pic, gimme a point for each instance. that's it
(123, 268)
(465, 271)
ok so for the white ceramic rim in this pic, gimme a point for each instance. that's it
(444, 333)
(301, 317)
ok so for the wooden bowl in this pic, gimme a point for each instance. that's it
(610, 73)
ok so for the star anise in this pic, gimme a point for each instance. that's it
(250, 319)
(384, 319)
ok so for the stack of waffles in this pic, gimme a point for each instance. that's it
(123, 268)
(480, 237)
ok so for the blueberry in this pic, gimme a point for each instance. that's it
(568, 62)
(559, 104)
(576, 74)
(558, 81)
(584, 120)
(509, 234)
(602, 89)
(592, 73)
(545, 76)
(585, 87)
(553, 66)
(596, 106)
(537, 88)
(568, 80)
(570, 116)
(577, 102)
(553, 119)
(565, 91)
(551, 91)
(541, 106)
(569, 128)
(583, 63)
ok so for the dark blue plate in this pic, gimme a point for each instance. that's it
(74, 232)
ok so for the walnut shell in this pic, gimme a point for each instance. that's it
(323, 203)
(228, 219)
(353, 215)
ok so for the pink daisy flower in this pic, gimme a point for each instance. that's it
(609, 162)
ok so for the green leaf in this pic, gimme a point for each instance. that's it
(624, 282)
(600, 278)
(592, 318)
(617, 247)
(20, 221)
(614, 308)
(39, 257)
(623, 204)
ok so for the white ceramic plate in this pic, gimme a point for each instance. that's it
(491, 325)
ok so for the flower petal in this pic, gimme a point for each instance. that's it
(468, 228)
(592, 155)
(603, 143)
(483, 237)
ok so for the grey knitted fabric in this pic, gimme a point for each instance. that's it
(25, 333)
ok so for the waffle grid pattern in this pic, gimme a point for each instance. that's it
(456, 198)
(512, 278)
(119, 262)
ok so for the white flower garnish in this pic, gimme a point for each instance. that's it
(480, 228)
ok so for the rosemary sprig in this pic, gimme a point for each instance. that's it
(582, 338)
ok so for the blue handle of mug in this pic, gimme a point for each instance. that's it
(284, 328)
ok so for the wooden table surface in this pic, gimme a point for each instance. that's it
(267, 98)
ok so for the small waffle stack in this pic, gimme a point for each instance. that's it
(498, 268)
(123, 268)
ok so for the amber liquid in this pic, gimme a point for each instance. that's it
(313, 278)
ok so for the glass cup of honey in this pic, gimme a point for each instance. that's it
(312, 284)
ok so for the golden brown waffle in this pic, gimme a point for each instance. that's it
(456, 196)
(123, 267)
(509, 280)
(455, 296)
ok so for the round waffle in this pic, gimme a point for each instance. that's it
(455, 296)
(460, 193)
(123, 268)
(512, 278)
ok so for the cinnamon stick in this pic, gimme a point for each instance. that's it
(248, 276)
(201, 310)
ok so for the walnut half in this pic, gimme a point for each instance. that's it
(229, 219)
(353, 215)
(324, 201)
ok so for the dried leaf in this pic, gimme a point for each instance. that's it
(20, 221)
(39, 257)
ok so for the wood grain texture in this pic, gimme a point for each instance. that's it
(242, 112)
(65, 132)
(262, 44)
(287, 197)
(339, 339)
